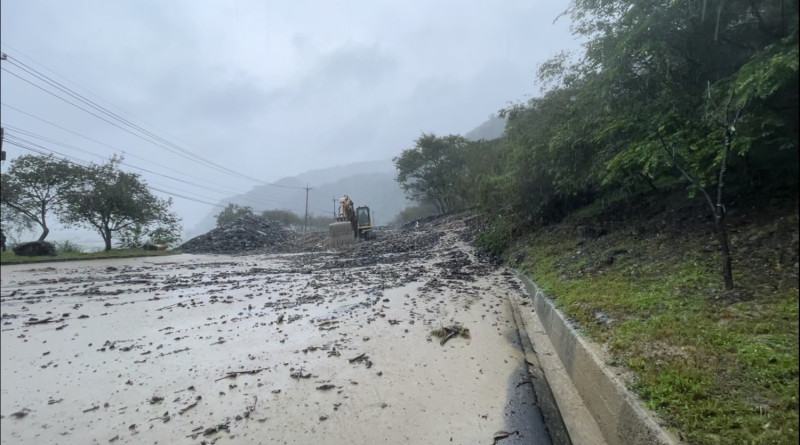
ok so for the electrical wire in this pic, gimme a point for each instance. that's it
(41, 149)
(124, 152)
(150, 137)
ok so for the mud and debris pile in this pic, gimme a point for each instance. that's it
(254, 235)
(249, 234)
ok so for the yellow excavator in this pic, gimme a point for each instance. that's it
(351, 224)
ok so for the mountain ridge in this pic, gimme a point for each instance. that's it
(369, 183)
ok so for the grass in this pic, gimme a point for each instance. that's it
(718, 368)
(12, 258)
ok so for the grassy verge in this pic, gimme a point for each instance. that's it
(718, 375)
(12, 258)
(721, 367)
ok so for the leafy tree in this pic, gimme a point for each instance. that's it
(13, 224)
(165, 232)
(285, 217)
(664, 89)
(233, 212)
(113, 201)
(36, 185)
(415, 212)
(480, 160)
(551, 158)
(431, 170)
(316, 223)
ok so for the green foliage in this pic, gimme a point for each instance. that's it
(233, 212)
(699, 91)
(285, 217)
(317, 224)
(13, 224)
(113, 201)
(716, 372)
(432, 170)
(414, 213)
(165, 231)
(67, 246)
(33, 187)
(500, 234)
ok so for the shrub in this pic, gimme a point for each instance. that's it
(67, 246)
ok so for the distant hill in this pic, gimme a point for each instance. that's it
(491, 129)
(367, 183)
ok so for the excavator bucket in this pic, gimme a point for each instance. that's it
(341, 235)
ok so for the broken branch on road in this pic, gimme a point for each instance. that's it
(448, 332)
(233, 374)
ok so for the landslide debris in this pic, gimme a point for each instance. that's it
(252, 234)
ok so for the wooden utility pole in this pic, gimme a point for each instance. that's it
(3, 56)
(305, 224)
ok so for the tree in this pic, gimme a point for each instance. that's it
(110, 200)
(165, 232)
(286, 217)
(431, 170)
(686, 88)
(13, 224)
(233, 212)
(36, 185)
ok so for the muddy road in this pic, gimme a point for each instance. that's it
(406, 339)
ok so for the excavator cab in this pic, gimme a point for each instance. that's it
(364, 219)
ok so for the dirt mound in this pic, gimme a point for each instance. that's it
(251, 234)
(254, 235)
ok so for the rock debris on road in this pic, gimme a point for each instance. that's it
(296, 345)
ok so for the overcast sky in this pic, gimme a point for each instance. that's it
(268, 89)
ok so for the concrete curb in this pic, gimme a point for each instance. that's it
(621, 418)
(544, 390)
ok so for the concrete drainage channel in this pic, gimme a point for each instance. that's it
(593, 403)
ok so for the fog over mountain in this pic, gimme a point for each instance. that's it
(370, 183)
(367, 183)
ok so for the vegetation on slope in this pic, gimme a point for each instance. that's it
(720, 366)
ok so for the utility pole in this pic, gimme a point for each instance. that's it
(3, 56)
(305, 224)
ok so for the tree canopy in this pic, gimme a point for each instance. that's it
(430, 170)
(112, 201)
(35, 186)
(233, 212)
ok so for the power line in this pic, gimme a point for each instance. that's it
(24, 143)
(41, 66)
(126, 153)
(105, 111)
(43, 151)
(219, 189)
(154, 139)
(201, 161)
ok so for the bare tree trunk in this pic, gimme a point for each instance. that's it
(43, 223)
(719, 216)
(106, 232)
(717, 209)
(727, 268)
